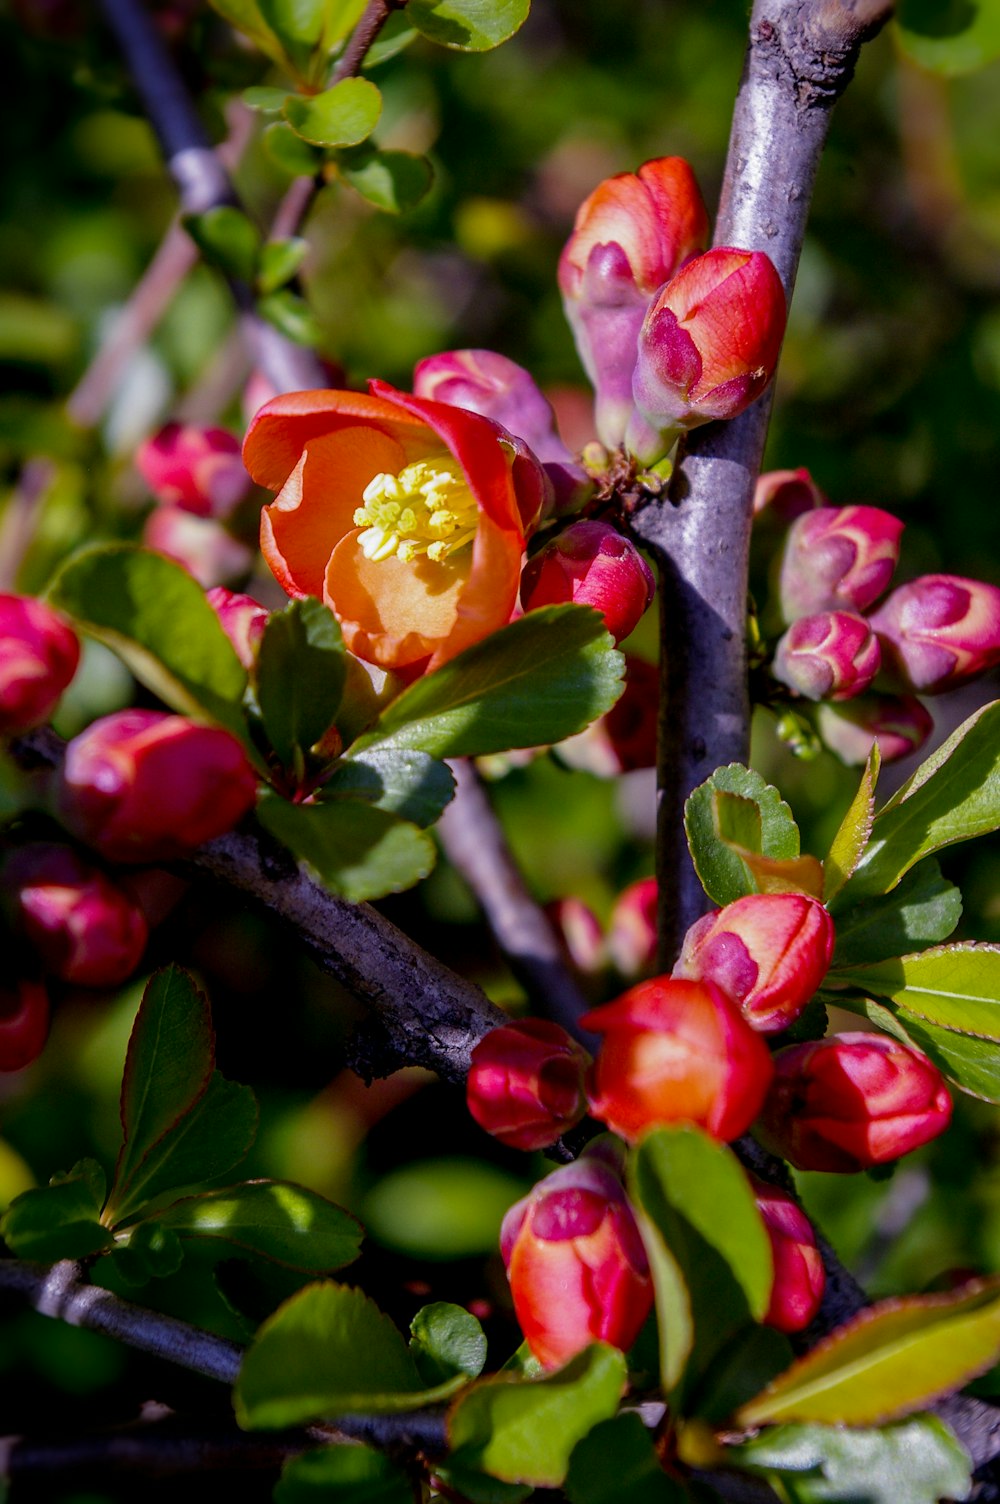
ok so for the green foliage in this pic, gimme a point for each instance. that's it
(392, 180)
(953, 986)
(734, 813)
(342, 116)
(60, 1220)
(271, 1219)
(618, 1461)
(447, 1342)
(351, 1474)
(289, 151)
(291, 315)
(950, 36)
(848, 845)
(355, 850)
(279, 262)
(922, 909)
(299, 678)
(227, 239)
(469, 25)
(412, 785)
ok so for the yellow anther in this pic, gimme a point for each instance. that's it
(426, 509)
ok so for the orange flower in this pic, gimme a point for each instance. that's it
(407, 516)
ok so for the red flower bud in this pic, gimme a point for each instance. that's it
(202, 546)
(591, 564)
(242, 619)
(38, 658)
(899, 723)
(624, 739)
(86, 930)
(799, 1276)
(677, 1051)
(577, 1268)
(24, 1022)
(838, 558)
(707, 348)
(852, 1101)
(786, 494)
(197, 469)
(632, 937)
(580, 933)
(938, 631)
(631, 235)
(144, 786)
(525, 1085)
(768, 952)
(833, 655)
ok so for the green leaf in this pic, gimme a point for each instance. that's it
(916, 1460)
(299, 677)
(341, 17)
(711, 811)
(268, 101)
(469, 25)
(289, 151)
(953, 796)
(391, 180)
(954, 987)
(147, 1252)
(446, 1341)
(920, 910)
(247, 17)
(396, 34)
(226, 239)
(618, 1462)
(341, 116)
(151, 612)
(412, 785)
(950, 36)
(541, 679)
(524, 1431)
(851, 839)
(349, 1474)
(751, 1359)
(60, 1220)
(972, 1064)
(353, 849)
(297, 23)
(325, 1352)
(480, 1488)
(272, 1219)
(291, 315)
(441, 1208)
(279, 262)
(891, 1359)
(700, 1202)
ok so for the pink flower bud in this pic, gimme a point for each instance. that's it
(786, 494)
(85, 929)
(768, 952)
(578, 1271)
(24, 1022)
(204, 547)
(838, 558)
(833, 655)
(525, 1085)
(591, 564)
(707, 348)
(242, 619)
(580, 933)
(631, 235)
(899, 723)
(632, 937)
(799, 1276)
(677, 1051)
(197, 469)
(940, 630)
(852, 1101)
(145, 786)
(38, 658)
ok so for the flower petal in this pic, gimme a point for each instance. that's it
(393, 613)
(283, 427)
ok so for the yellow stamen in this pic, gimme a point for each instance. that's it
(426, 509)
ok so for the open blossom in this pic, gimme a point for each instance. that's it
(940, 630)
(407, 516)
(838, 558)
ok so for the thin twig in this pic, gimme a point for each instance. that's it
(374, 16)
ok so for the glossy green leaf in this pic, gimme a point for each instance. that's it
(889, 1360)
(915, 1461)
(298, 24)
(446, 1341)
(348, 1474)
(291, 315)
(289, 151)
(848, 845)
(325, 1352)
(341, 116)
(412, 785)
(536, 681)
(921, 910)
(279, 262)
(299, 677)
(953, 796)
(266, 100)
(524, 1431)
(699, 1200)
(480, 1488)
(273, 1220)
(391, 180)
(469, 25)
(60, 1220)
(950, 36)
(955, 987)
(716, 810)
(147, 1252)
(247, 16)
(973, 1065)
(748, 1361)
(618, 1462)
(227, 239)
(396, 34)
(353, 849)
(152, 613)
(341, 17)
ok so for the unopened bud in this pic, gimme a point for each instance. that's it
(833, 655)
(768, 952)
(940, 630)
(838, 558)
(242, 619)
(525, 1085)
(623, 740)
(579, 931)
(674, 1051)
(785, 494)
(899, 723)
(799, 1276)
(24, 1022)
(197, 469)
(200, 544)
(145, 786)
(577, 1267)
(852, 1101)
(632, 936)
(38, 658)
(591, 564)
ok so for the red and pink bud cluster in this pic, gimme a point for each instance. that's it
(241, 618)
(198, 478)
(526, 1083)
(24, 1021)
(799, 1276)
(591, 564)
(38, 658)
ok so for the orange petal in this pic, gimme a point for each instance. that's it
(283, 427)
(489, 596)
(393, 613)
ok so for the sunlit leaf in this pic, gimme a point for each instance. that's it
(272, 1219)
(341, 116)
(299, 677)
(355, 850)
(955, 987)
(392, 180)
(469, 25)
(227, 239)
(412, 785)
(737, 803)
(446, 1341)
(950, 36)
(848, 845)
(349, 1474)
(60, 1220)
(922, 909)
